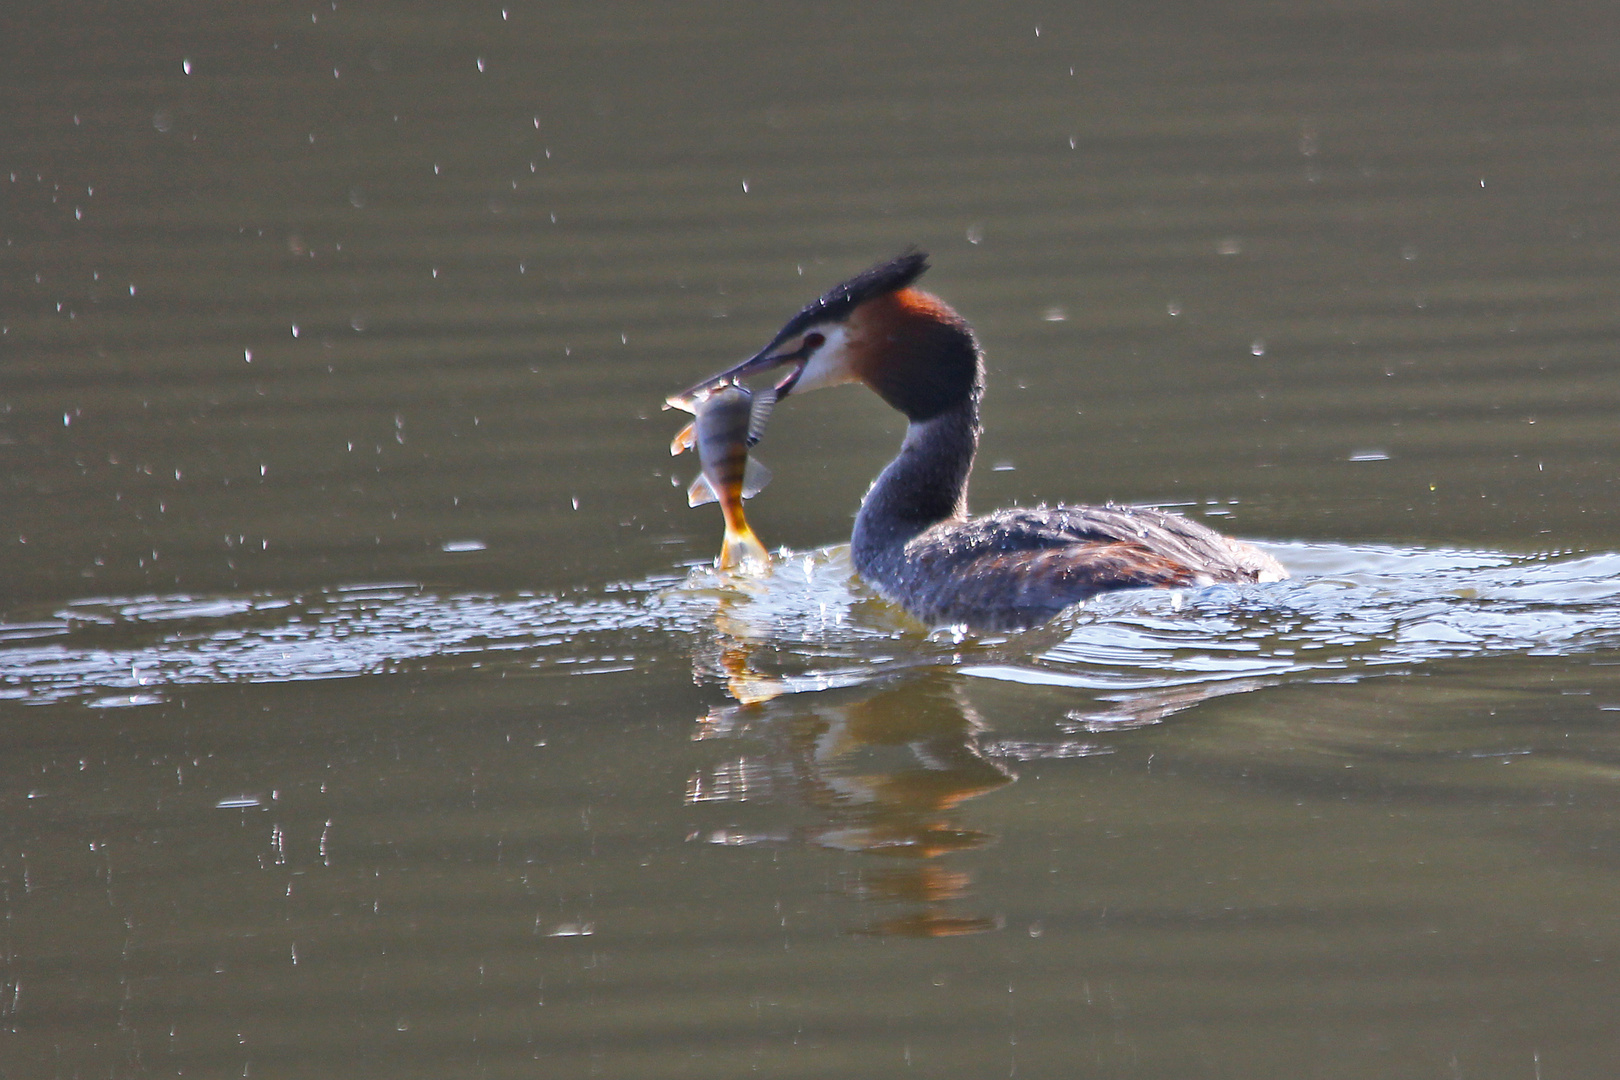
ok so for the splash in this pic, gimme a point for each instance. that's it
(1351, 612)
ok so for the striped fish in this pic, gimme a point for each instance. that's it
(726, 422)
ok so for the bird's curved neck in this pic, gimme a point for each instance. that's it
(924, 485)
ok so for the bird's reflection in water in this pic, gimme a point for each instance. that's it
(881, 759)
(882, 775)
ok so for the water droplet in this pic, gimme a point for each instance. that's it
(569, 929)
(1258, 346)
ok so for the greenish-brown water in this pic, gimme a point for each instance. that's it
(367, 710)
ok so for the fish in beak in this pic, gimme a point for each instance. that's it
(727, 421)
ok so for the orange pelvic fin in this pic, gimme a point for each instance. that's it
(683, 440)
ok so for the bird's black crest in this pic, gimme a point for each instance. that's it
(837, 302)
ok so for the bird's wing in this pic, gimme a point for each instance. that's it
(1167, 535)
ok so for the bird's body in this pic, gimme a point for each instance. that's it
(914, 541)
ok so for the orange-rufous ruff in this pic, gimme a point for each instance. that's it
(727, 421)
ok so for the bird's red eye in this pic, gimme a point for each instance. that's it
(813, 341)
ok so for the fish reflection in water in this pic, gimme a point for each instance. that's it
(884, 774)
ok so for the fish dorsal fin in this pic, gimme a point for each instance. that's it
(759, 413)
(684, 439)
(755, 477)
(700, 492)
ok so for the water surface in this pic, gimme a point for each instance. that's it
(369, 709)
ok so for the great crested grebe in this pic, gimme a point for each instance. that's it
(914, 541)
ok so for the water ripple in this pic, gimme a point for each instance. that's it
(1350, 612)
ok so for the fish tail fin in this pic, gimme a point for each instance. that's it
(741, 547)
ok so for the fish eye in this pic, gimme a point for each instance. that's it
(813, 341)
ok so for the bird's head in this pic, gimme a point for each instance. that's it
(907, 345)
